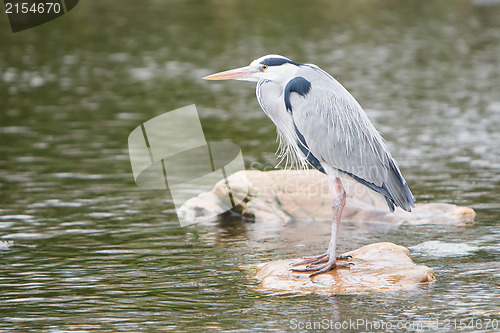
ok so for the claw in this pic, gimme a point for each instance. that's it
(344, 257)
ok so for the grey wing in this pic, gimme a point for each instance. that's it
(333, 127)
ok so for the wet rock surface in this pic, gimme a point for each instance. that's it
(285, 195)
(377, 267)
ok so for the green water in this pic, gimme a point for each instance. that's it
(82, 248)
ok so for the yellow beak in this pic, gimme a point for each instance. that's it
(233, 74)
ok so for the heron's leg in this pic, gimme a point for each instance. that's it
(338, 203)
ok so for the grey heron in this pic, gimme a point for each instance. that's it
(320, 123)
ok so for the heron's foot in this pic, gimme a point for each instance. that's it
(318, 259)
(319, 269)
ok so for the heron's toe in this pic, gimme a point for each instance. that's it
(312, 260)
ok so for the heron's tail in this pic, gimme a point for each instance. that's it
(394, 189)
(397, 191)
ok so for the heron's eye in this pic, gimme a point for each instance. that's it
(264, 67)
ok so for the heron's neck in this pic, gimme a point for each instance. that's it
(285, 73)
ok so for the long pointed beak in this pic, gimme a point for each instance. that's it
(233, 74)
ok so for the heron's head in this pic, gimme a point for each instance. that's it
(271, 67)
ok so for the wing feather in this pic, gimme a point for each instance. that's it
(339, 133)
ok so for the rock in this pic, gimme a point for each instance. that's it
(378, 267)
(284, 195)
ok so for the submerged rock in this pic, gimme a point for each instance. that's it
(284, 195)
(378, 267)
(442, 249)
